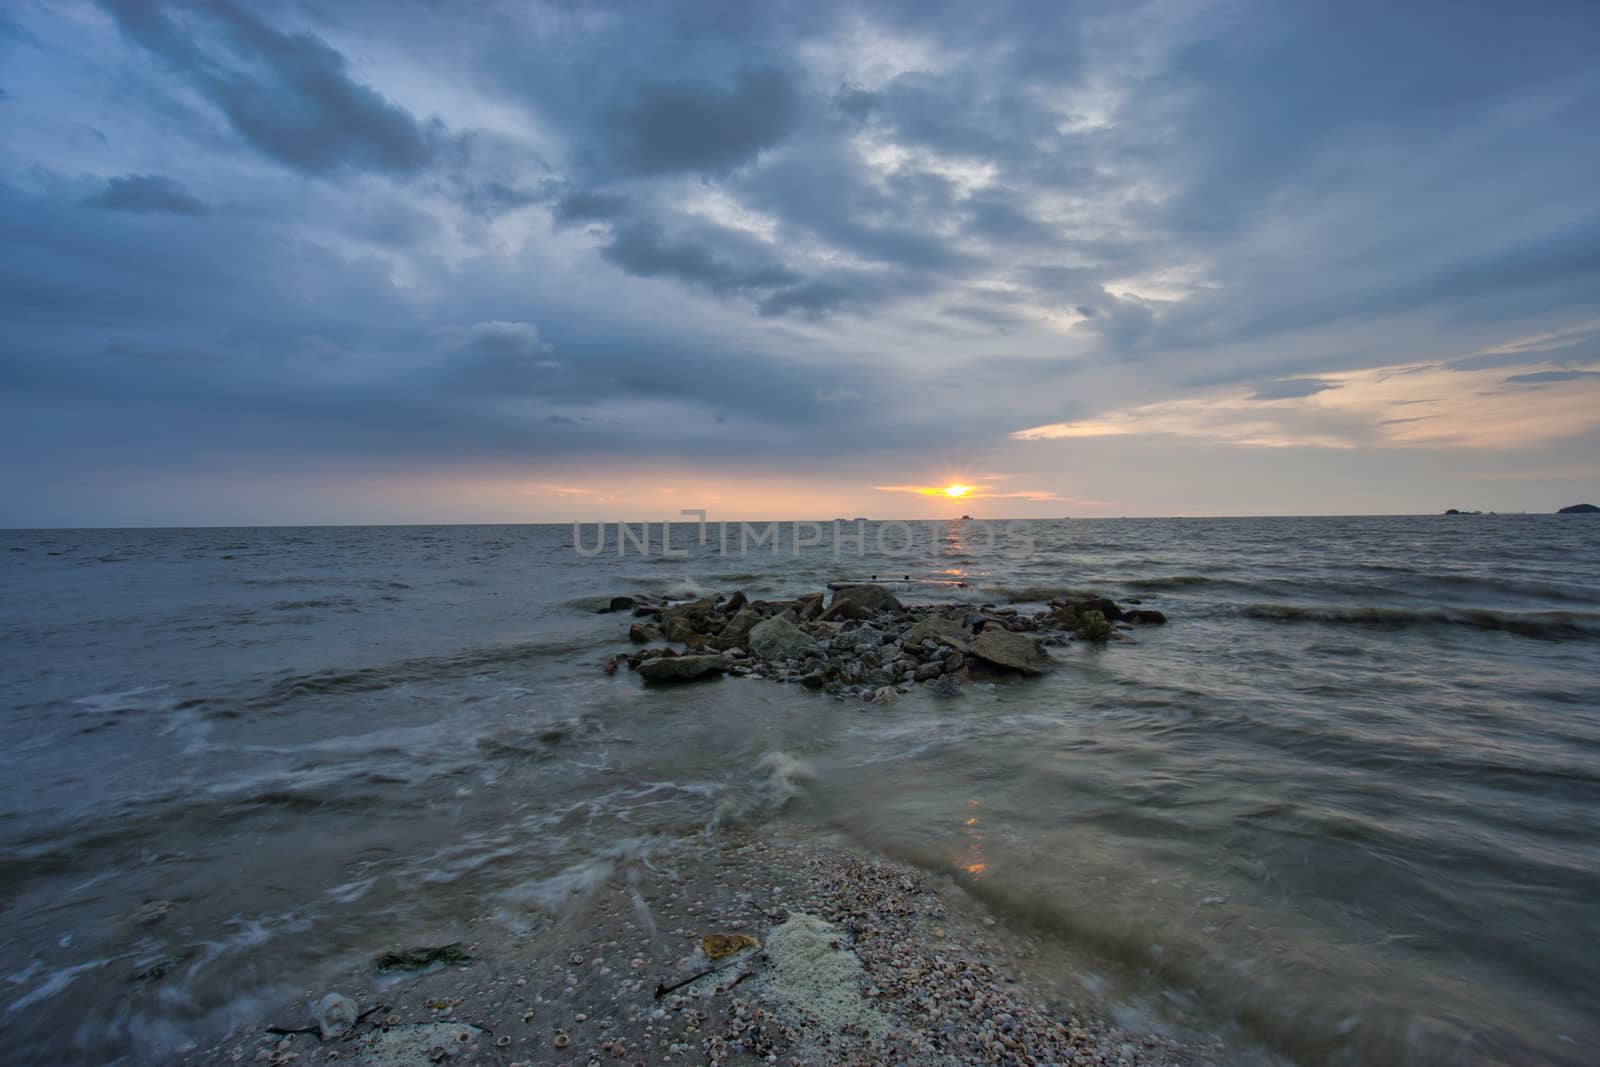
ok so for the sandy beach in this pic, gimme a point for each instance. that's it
(855, 960)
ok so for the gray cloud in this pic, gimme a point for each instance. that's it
(506, 338)
(290, 95)
(670, 127)
(642, 248)
(392, 222)
(994, 318)
(1550, 377)
(1291, 388)
(146, 192)
(583, 206)
(491, 199)
(814, 298)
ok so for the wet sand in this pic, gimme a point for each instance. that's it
(858, 961)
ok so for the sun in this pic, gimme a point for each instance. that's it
(956, 492)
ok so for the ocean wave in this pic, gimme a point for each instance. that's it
(402, 672)
(342, 602)
(539, 744)
(556, 893)
(779, 777)
(1550, 625)
(673, 587)
(1174, 581)
(320, 579)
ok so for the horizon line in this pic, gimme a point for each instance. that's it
(764, 521)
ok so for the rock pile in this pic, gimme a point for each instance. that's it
(861, 644)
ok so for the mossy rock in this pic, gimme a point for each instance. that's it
(719, 946)
(420, 959)
(1092, 626)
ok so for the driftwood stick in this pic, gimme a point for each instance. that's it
(771, 916)
(663, 989)
(375, 1009)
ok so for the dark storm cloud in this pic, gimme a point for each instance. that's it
(1002, 215)
(1263, 101)
(965, 112)
(228, 337)
(491, 199)
(670, 127)
(147, 192)
(643, 249)
(814, 298)
(985, 316)
(290, 95)
(392, 222)
(584, 206)
(821, 190)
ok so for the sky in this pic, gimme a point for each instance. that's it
(417, 261)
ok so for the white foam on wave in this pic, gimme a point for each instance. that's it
(779, 777)
(57, 982)
(125, 700)
(555, 893)
(248, 933)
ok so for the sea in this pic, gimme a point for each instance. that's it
(1344, 805)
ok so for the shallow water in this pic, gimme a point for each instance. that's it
(1346, 801)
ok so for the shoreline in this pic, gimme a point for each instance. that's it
(860, 960)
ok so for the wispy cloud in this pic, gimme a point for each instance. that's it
(559, 490)
(1420, 405)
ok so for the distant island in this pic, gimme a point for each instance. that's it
(1458, 511)
(1579, 509)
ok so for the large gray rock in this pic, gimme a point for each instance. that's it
(861, 639)
(680, 668)
(1017, 652)
(1145, 616)
(737, 628)
(696, 613)
(809, 607)
(679, 628)
(961, 642)
(1104, 605)
(861, 601)
(935, 626)
(778, 638)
